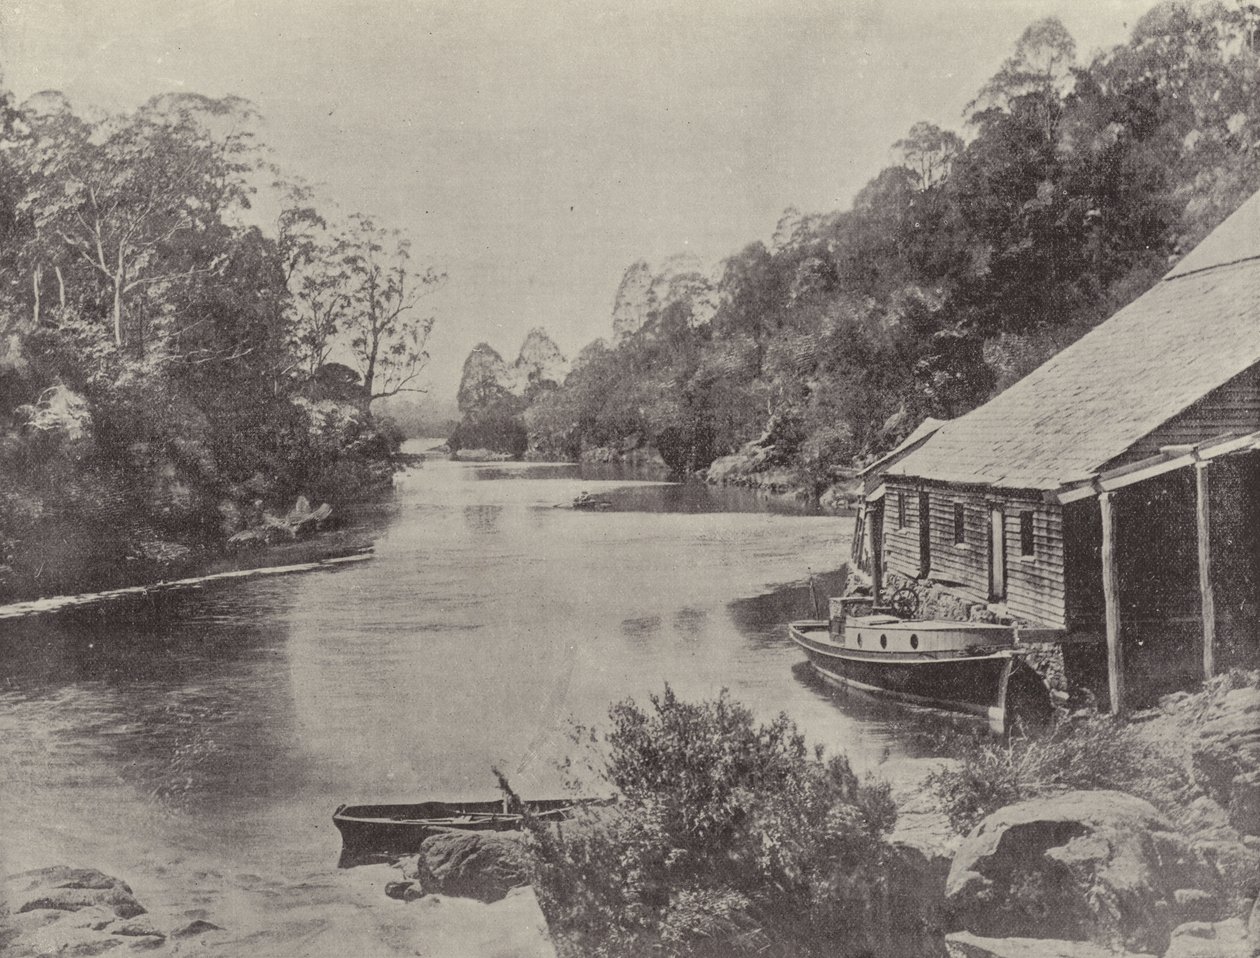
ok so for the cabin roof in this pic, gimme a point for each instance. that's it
(920, 433)
(1191, 333)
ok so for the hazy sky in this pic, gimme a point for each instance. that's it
(535, 149)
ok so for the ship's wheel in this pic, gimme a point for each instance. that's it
(904, 603)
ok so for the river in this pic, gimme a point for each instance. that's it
(195, 741)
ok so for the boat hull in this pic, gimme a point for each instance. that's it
(377, 832)
(972, 684)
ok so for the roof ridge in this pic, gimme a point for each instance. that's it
(1171, 277)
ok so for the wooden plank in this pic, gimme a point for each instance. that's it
(1203, 515)
(1111, 598)
(874, 535)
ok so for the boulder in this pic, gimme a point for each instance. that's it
(1203, 939)
(1098, 866)
(72, 911)
(481, 865)
(70, 889)
(195, 929)
(1226, 756)
(404, 890)
(963, 944)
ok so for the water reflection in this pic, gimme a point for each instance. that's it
(227, 722)
(482, 518)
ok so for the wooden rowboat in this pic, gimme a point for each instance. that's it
(375, 832)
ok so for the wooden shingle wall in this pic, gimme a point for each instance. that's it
(1035, 586)
(901, 545)
(965, 564)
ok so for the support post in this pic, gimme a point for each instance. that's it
(1203, 516)
(874, 539)
(1111, 600)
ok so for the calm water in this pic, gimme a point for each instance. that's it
(196, 742)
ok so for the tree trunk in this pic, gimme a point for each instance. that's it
(35, 285)
(118, 310)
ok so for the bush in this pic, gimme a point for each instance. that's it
(1097, 752)
(730, 837)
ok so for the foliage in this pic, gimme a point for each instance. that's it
(165, 364)
(1095, 752)
(730, 837)
(958, 269)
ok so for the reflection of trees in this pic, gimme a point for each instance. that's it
(174, 692)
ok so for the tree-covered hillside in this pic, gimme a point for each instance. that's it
(177, 368)
(1071, 188)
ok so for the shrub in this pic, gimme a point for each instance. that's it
(1097, 752)
(730, 837)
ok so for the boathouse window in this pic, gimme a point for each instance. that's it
(901, 510)
(960, 524)
(1027, 543)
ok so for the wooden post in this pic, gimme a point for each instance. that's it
(875, 542)
(1203, 515)
(1111, 599)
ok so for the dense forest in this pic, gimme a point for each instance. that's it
(189, 345)
(959, 268)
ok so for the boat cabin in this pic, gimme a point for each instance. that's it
(1110, 500)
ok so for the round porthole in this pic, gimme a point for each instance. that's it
(859, 640)
(914, 641)
(883, 641)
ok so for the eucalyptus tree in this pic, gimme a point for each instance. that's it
(387, 333)
(126, 206)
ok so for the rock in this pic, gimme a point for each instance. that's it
(513, 926)
(1237, 865)
(1206, 820)
(71, 911)
(1202, 939)
(1226, 756)
(1101, 866)
(481, 865)
(194, 928)
(71, 889)
(1253, 926)
(962, 944)
(404, 890)
(136, 928)
(1194, 904)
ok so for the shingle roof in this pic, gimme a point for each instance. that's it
(921, 432)
(1192, 332)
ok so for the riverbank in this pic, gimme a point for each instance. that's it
(304, 534)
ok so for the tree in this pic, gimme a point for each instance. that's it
(929, 151)
(318, 279)
(386, 336)
(1041, 64)
(129, 198)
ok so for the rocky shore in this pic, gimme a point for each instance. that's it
(1158, 869)
(1091, 872)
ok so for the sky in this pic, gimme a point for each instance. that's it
(533, 149)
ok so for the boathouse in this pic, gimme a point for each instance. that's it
(1111, 498)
